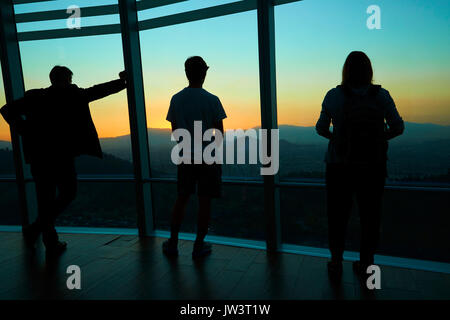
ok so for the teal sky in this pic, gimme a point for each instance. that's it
(410, 56)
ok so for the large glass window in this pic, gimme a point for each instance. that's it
(93, 60)
(409, 58)
(233, 77)
(313, 38)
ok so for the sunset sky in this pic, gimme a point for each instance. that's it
(410, 56)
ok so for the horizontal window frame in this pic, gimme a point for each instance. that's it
(91, 11)
(199, 14)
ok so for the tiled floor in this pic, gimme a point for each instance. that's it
(126, 267)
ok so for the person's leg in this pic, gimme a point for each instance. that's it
(369, 197)
(67, 186)
(204, 215)
(185, 187)
(209, 186)
(177, 217)
(46, 194)
(339, 203)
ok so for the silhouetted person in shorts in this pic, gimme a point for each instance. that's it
(364, 118)
(195, 104)
(56, 126)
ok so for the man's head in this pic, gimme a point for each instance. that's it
(60, 76)
(195, 68)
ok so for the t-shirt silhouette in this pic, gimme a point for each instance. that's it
(195, 104)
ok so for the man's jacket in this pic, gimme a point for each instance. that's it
(56, 122)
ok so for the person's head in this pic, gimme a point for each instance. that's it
(195, 68)
(357, 69)
(60, 76)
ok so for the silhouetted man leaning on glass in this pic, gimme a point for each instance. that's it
(56, 126)
(195, 104)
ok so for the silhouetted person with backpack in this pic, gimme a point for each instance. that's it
(364, 118)
(187, 106)
(56, 126)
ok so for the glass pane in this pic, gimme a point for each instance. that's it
(239, 213)
(414, 223)
(93, 60)
(409, 58)
(9, 204)
(232, 76)
(6, 155)
(102, 204)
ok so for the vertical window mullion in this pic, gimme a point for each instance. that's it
(267, 78)
(14, 89)
(137, 114)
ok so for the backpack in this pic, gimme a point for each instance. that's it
(361, 140)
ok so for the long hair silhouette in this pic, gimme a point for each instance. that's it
(357, 69)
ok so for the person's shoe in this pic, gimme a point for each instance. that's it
(56, 249)
(170, 248)
(201, 249)
(30, 235)
(335, 271)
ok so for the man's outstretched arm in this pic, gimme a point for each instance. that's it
(105, 89)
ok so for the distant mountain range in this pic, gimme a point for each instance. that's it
(423, 149)
(414, 133)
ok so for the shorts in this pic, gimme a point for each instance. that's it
(207, 178)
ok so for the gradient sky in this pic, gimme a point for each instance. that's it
(410, 56)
